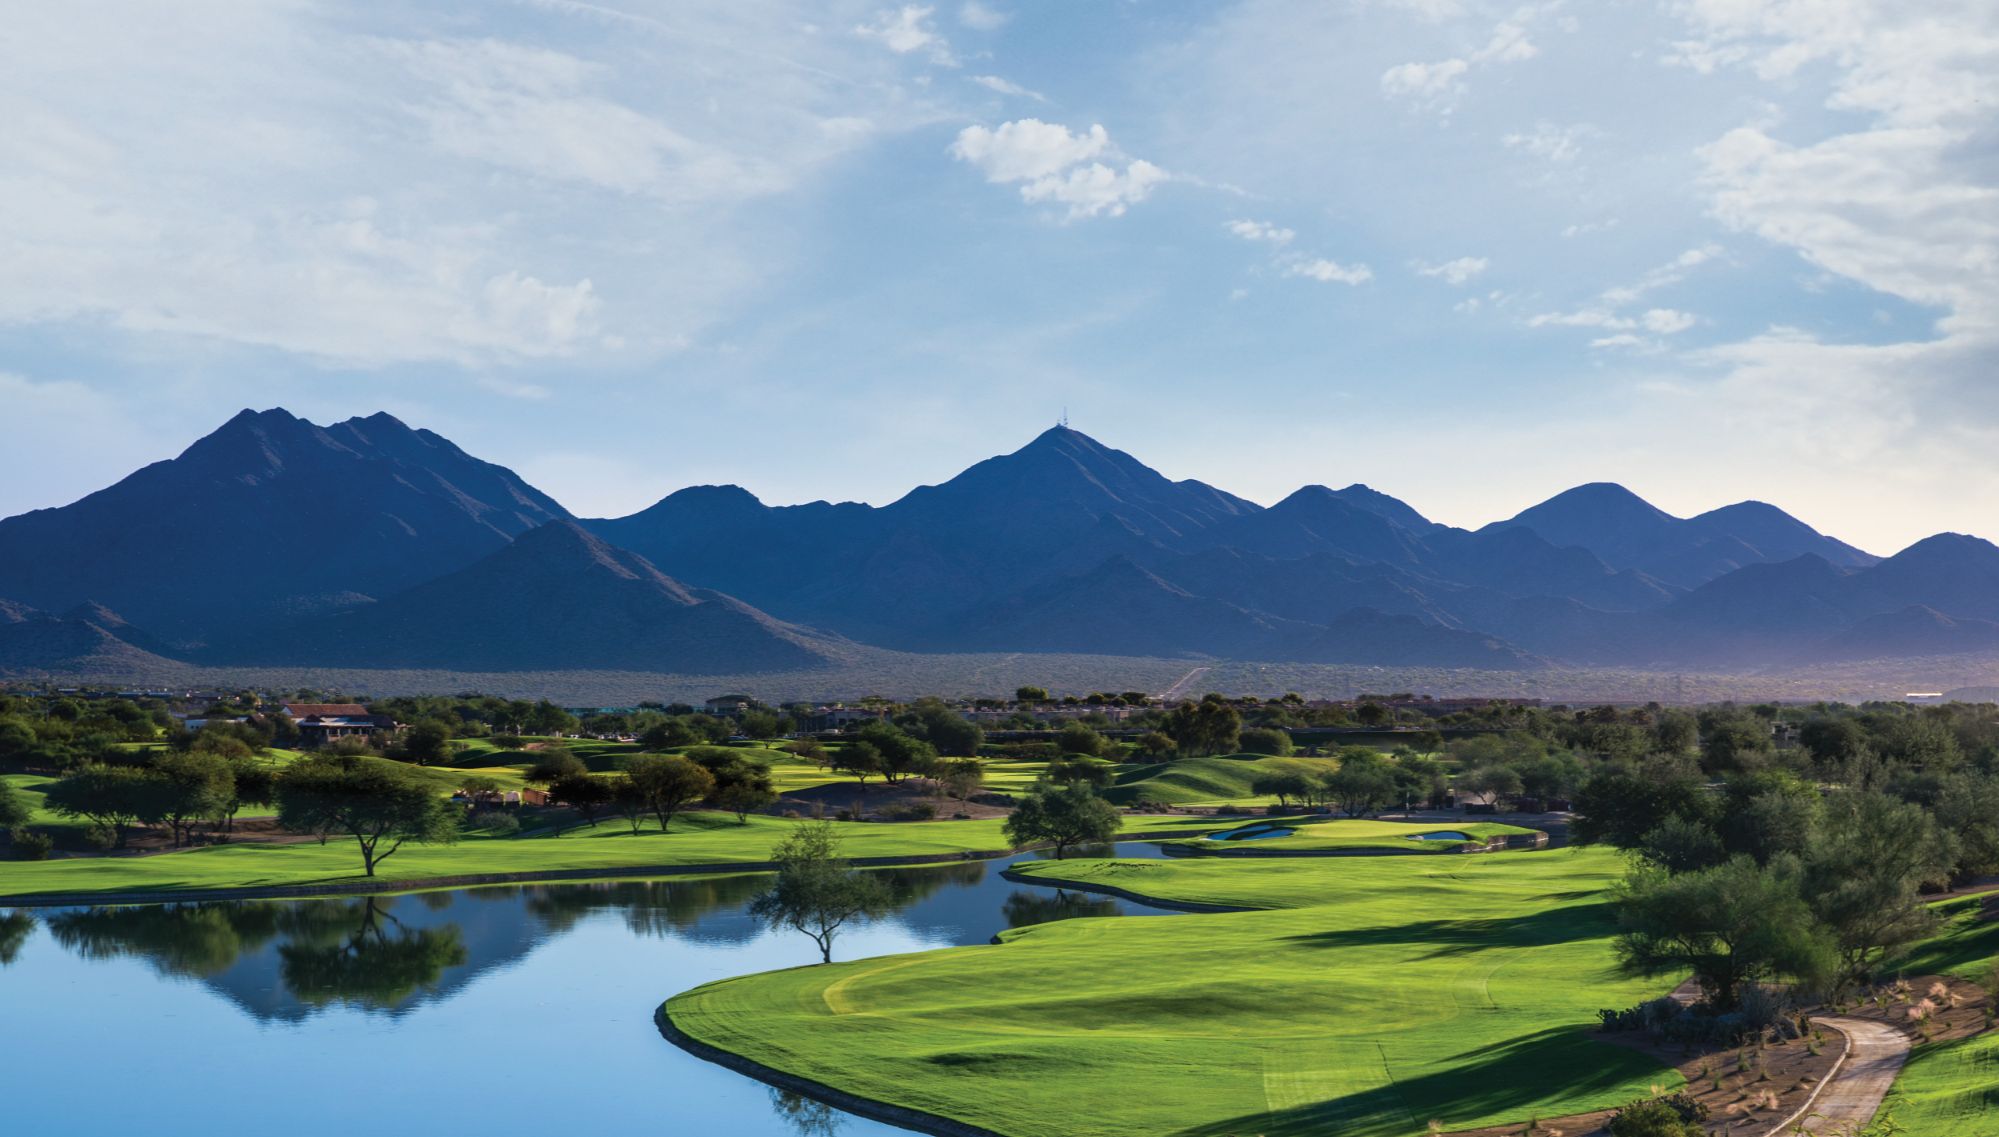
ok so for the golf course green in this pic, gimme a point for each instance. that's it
(1361, 996)
(1315, 834)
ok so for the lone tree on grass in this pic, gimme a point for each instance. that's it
(668, 783)
(816, 891)
(1071, 815)
(14, 810)
(373, 800)
(585, 796)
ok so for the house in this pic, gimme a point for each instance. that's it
(321, 723)
(730, 704)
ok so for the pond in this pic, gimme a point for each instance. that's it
(518, 1009)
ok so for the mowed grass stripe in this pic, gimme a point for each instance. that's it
(1361, 997)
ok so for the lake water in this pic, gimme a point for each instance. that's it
(509, 1010)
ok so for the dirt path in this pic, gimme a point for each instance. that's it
(1851, 1097)
(1180, 688)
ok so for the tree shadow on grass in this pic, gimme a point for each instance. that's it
(1461, 937)
(1507, 1081)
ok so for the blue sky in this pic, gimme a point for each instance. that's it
(1468, 253)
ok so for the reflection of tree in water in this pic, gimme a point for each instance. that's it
(908, 886)
(14, 929)
(189, 940)
(661, 908)
(1024, 908)
(810, 1118)
(359, 954)
(348, 951)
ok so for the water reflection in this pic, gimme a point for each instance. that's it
(314, 994)
(285, 959)
(807, 1117)
(14, 929)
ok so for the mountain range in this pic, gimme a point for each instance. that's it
(370, 544)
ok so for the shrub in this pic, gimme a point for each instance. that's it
(1676, 1116)
(100, 838)
(1265, 740)
(32, 844)
(911, 811)
(494, 823)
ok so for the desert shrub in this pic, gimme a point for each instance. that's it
(494, 823)
(1676, 1116)
(909, 811)
(32, 844)
(100, 837)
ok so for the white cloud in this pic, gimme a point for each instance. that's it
(1667, 321)
(907, 29)
(1261, 231)
(372, 193)
(1454, 272)
(1660, 276)
(1509, 44)
(981, 17)
(1007, 87)
(1056, 166)
(1438, 82)
(1328, 272)
(1558, 144)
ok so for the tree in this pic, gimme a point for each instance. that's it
(1364, 784)
(1210, 726)
(741, 784)
(669, 735)
(584, 795)
(1283, 786)
(254, 782)
(1730, 925)
(630, 801)
(810, 750)
(553, 764)
(1682, 844)
(1494, 783)
(185, 788)
(669, 783)
(371, 800)
(14, 809)
(816, 891)
(1155, 745)
(1619, 805)
(1266, 740)
(109, 797)
(1030, 695)
(860, 759)
(1072, 815)
(427, 742)
(1077, 738)
(901, 754)
(949, 732)
(961, 777)
(1865, 866)
(1079, 771)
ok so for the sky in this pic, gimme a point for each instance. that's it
(1468, 253)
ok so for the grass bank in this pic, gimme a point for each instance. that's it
(1363, 996)
(715, 840)
(1315, 834)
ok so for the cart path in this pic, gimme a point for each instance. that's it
(1848, 1101)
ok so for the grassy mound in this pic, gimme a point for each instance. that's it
(1207, 781)
(1365, 997)
(1320, 836)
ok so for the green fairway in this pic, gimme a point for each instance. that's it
(1365, 997)
(1950, 1089)
(1315, 835)
(695, 839)
(1207, 781)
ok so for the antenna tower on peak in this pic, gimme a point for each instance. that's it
(1063, 422)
